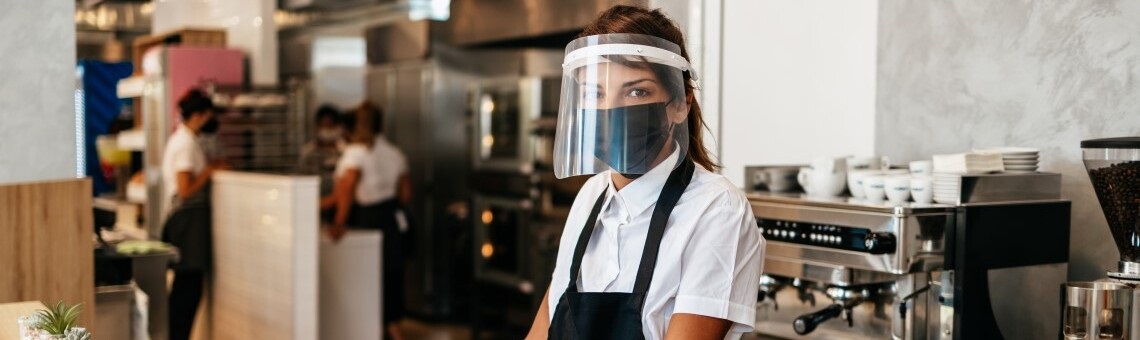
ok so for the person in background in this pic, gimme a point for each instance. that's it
(186, 174)
(319, 156)
(656, 245)
(371, 182)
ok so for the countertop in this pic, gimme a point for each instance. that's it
(9, 312)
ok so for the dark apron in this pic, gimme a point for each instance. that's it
(189, 229)
(582, 315)
(382, 216)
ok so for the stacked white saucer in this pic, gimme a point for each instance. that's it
(1016, 159)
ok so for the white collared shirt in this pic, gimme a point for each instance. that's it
(710, 259)
(182, 154)
(380, 169)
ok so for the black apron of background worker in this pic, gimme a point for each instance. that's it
(616, 315)
(188, 229)
(382, 216)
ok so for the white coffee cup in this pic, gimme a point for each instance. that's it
(855, 181)
(868, 163)
(804, 178)
(821, 182)
(874, 188)
(922, 168)
(922, 189)
(897, 189)
(780, 179)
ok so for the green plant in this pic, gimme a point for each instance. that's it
(57, 319)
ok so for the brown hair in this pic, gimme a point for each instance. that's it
(639, 20)
(368, 122)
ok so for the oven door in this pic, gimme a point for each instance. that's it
(502, 231)
(503, 113)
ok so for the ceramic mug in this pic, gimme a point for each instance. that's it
(922, 168)
(822, 183)
(855, 181)
(874, 188)
(868, 163)
(897, 189)
(922, 189)
(804, 179)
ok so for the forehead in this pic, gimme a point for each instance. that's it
(615, 72)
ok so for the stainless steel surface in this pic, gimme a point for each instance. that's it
(154, 123)
(149, 273)
(910, 225)
(113, 310)
(474, 23)
(1098, 310)
(401, 40)
(1006, 187)
(822, 272)
(918, 266)
(1126, 270)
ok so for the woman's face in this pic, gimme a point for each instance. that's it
(621, 85)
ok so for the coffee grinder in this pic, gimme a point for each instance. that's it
(1110, 308)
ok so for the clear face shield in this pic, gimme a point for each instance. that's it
(624, 106)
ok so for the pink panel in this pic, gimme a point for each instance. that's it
(188, 67)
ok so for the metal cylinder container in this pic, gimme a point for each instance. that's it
(1098, 310)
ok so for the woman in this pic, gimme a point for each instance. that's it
(319, 156)
(371, 178)
(656, 245)
(186, 178)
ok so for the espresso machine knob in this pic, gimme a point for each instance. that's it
(807, 323)
(879, 243)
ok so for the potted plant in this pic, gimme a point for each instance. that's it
(57, 323)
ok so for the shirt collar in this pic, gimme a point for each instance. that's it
(642, 193)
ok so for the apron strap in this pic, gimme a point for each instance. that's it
(675, 186)
(584, 240)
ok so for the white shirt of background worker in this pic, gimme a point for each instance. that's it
(371, 170)
(185, 169)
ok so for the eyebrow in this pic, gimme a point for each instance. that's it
(631, 83)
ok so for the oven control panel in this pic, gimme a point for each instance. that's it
(827, 235)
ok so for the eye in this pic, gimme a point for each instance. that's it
(638, 93)
(591, 93)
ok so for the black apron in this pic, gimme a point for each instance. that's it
(582, 315)
(382, 216)
(189, 229)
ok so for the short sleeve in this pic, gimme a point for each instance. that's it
(401, 163)
(352, 158)
(182, 159)
(722, 263)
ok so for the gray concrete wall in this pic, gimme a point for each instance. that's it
(37, 82)
(954, 75)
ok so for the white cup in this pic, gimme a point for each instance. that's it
(897, 189)
(855, 181)
(874, 188)
(922, 189)
(921, 168)
(830, 164)
(804, 178)
(868, 163)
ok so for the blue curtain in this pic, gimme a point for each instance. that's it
(101, 107)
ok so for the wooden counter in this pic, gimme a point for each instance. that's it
(9, 312)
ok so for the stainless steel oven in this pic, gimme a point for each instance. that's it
(502, 234)
(504, 113)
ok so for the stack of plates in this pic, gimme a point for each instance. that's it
(1016, 159)
(947, 188)
(963, 163)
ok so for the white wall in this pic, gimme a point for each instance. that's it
(798, 81)
(37, 111)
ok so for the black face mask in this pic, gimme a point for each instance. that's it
(630, 138)
(211, 127)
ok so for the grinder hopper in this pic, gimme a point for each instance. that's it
(1113, 165)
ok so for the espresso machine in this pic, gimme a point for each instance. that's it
(840, 268)
(1110, 308)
